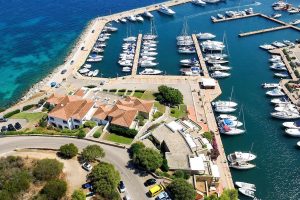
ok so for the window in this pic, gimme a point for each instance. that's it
(60, 126)
(51, 118)
(64, 121)
(76, 121)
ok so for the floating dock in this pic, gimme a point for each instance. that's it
(284, 25)
(136, 55)
(200, 56)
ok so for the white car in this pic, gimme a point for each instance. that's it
(87, 166)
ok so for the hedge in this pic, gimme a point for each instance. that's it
(28, 107)
(91, 86)
(131, 133)
(122, 90)
(8, 115)
(140, 90)
(112, 90)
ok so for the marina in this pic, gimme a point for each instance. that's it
(249, 72)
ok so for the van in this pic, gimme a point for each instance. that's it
(156, 189)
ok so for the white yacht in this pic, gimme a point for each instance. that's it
(226, 130)
(293, 132)
(148, 14)
(110, 28)
(83, 71)
(295, 22)
(224, 104)
(125, 63)
(281, 74)
(183, 37)
(278, 44)
(292, 125)
(225, 116)
(192, 61)
(130, 39)
(97, 50)
(287, 108)
(185, 42)
(224, 109)
(239, 156)
(220, 16)
(149, 71)
(275, 59)
(94, 58)
(123, 20)
(139, 18)
(148, 53)
(217, 61)
(90, 73)
(279, 66)
(248, 186)
(247, 192)
(281, 100)
(164, 9)
(219, 67)
(219, 74)
(285, 115)
(267, 46)
(132, 18)
(150, 58)
(276, 15)
(275, 93)
(148, 63)
(211, 1)
(242, 166)
(270, 85)
(289, 43)
(187, 50)
(126, 69)
(96, 72)
(87, 66)
(230, 123)
(199, 2)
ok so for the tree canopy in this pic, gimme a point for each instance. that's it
(135, 147)
(78, 195)
(169, 95)
(181, 190)
(105, 180)
(47, 169)
(55, 189)
(68, 150)
(92, 152)
(148, 158)
(228, 194)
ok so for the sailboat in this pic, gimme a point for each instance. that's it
(184, 36)
(229, 103)
(153, 34)
(227, 130)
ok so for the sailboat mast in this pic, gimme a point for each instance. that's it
(230, 99)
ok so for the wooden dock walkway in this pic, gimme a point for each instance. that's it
(200, 56)
(136, 55)
(263, 31)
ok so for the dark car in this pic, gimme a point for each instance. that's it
(10, 127)
(93, 31)
(87, 185)
(18, 126)
(150, 181)
(82, 48)
(72, 61)
(2, 119)
(122, 187)
(3, 129)
(63, 71)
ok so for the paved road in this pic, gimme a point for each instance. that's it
(118, 157)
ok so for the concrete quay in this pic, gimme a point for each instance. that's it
(136, 55)
(200, 56)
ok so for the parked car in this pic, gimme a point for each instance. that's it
(87, 166)
(2, 119)
(3, 129)
(53, 84)
(122, 187)
(10, 127)
(150, 181)
(127, 197)
(163, 196)
(87, 185)
(63, 71)
(90, 194)
(72, 61)
(82, 48)
(18, 126)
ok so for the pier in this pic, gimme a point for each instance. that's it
(200, 56)
(136, 55)
(283, 24)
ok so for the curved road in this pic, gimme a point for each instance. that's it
(118, 157)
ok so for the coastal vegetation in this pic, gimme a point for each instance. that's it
(78, 195)
(9, 114)
(228, 194)
(92, 152)
(168, 95)
(105, 178)
(68, 150)
(131, 133)
(180, 189)
(98, 133)
(23, 176)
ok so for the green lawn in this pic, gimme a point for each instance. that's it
(138, 94)
(161, 108)
(30, 117)
(117, 138)
(179, 112)
(148, 95)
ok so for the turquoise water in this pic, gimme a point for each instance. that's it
(38, 34)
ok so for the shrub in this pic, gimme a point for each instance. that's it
(135, 147)
(91, 86)
(157, 114)
(43, 122)
(208, 135)
(9, 114)
(47, 169)
(148, 159)
(170, 95)
(181, 190)
(78, 195)
(165, 167)
(68, 150)
(112, 90)
(92, 152)
(131, 133)
(28, 107)
(80, 134)
(18, 182)
(89, 124)
(181, 174)
(122, 90)
(297, 73)
(97, 134)
(55, 189)
(105, 90)
(153, 126)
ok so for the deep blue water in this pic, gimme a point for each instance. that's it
(36, 35)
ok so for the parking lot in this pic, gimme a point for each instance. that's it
(22, 122)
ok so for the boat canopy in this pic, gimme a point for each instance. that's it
(226, 128)
(297, 123)
(228, 122)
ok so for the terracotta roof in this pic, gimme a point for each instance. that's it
(71, 106)
(80, 93)
(55, 98)
(102, 112)
(123, 115)
(140, 105)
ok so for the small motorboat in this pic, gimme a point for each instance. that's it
(139, 18)
(242, 165)
(247, 192)
(219, 74)
(245, 185)
(230, 123)
(126, 69)
(281, 100)
(292, 125)
(149, 71)
(276, 15)
(267, 47)
(218, 67)
(224, 103)
(226, 130)
(275, 93)
(164, 9)
(224, 109)
(241, 157)
(205, 36)
(225, 116)
(96, 72)
(282, 74)
(285, 115)
(148, 14)
(270, 85)
(293, 132)
(298, 144)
